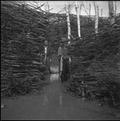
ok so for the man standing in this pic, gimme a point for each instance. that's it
(66, 65)
(64, 62)
(60, 55)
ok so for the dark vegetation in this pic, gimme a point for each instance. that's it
(95, 66)
(23, 31)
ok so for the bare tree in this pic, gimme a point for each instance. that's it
(47, 7)
(115, 10)
(101, 12)
(111, 12)
(78, 17)
(96, 16)
(67, 8)
(89, 10)
(85, 9)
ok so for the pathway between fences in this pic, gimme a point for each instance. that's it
(53, 103)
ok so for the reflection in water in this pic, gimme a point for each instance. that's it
(2, 105)
(54, 77)
(45, 100)
(53, 90)
(54, 69)
(60, 99)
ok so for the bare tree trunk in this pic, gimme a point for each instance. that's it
(111, 8)
(115, 8)
(47, 7)
(78, 18)
(101, 12)
(68, 20)
(96, 17)
(111, 12)
(89, 10)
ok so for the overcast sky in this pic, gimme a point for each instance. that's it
(59, 5)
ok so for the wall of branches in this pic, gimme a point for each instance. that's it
(23, 31)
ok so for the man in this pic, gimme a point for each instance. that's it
(60, 55)
(66, 65)
(64, 62)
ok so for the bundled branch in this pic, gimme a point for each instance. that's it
(95, 66)
(23, 31)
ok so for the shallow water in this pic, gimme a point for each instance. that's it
(53, 91)
(53, 104)
(54, 69)
(54, 77)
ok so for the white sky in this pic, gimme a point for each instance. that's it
(59, 5)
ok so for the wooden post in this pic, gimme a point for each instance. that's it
(83, 90)
(45, 55)
(78, 18)
(45, 51)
